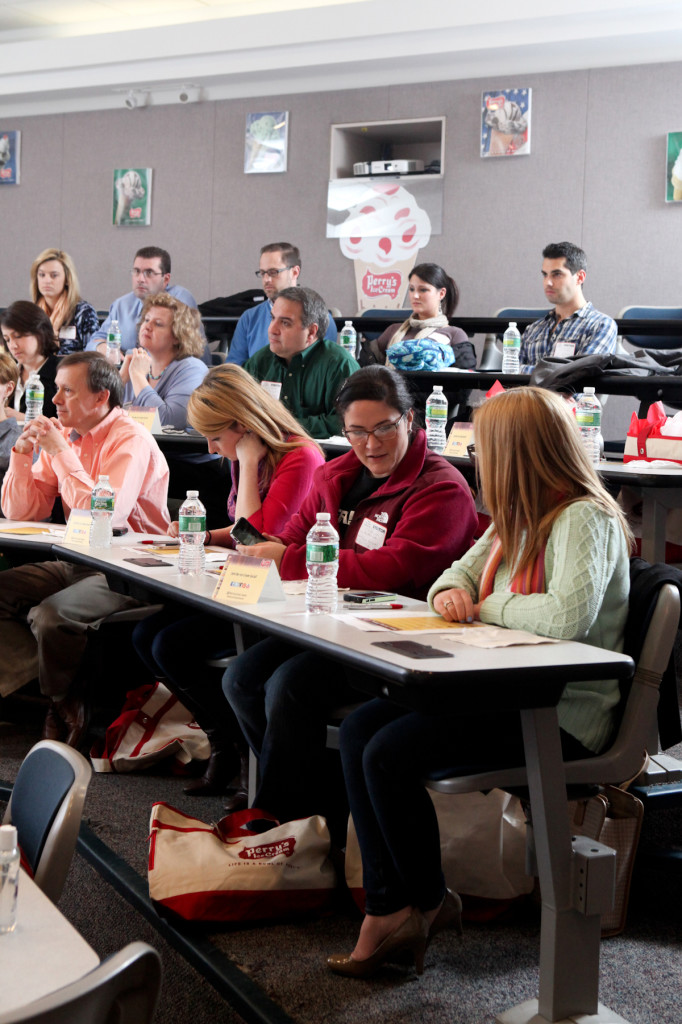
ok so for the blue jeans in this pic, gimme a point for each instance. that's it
(283, 698)
(386, 752)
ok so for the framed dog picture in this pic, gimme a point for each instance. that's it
(10, 146)
(673, 168)
(132, 196)
(505, 122)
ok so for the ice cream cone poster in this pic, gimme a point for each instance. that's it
(505, 122)
(382, 234)
(265, 145)
(673, 187)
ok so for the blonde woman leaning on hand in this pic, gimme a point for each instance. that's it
(272, 463)
(555, 561)
(55, 288)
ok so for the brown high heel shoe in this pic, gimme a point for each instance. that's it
(410, 937)
(450, 913)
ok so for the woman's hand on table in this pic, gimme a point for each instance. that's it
(272, 548)
(456, 605)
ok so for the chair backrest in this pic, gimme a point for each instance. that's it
(391, 316)
(46, 806)
(652, 313)
(624, 757)
(124, 988)
(491, 356)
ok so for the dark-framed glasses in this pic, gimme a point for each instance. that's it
(271, 273)
(384, 432)
(149, 274)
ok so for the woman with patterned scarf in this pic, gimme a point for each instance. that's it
(555, 562)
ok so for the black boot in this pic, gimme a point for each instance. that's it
(240, 798)
(220, 768)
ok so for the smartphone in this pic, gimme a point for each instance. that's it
(119, 531)
(369, 596)
(148, 562)
(244, 533)
(412, 649)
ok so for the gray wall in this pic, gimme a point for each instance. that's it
(595, 176)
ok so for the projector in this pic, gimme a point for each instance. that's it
(397, 166)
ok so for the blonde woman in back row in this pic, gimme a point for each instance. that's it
(55, 288)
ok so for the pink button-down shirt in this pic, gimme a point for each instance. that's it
(118, 447)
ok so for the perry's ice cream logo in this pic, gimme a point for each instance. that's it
(382, 235)
(284, 847)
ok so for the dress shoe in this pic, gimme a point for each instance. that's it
(450, 913)
(74, 715)
(238, 800)
(216, 778)
(53, 728)
(409, 937)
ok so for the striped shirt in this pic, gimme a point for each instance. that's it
(593, 333)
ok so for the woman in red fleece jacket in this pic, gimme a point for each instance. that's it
(402, 513)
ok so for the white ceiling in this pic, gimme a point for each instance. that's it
(58, 55)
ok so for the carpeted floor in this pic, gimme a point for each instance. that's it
(466, 980)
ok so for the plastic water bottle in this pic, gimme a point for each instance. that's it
(322, 563)
(113, 352)
(9, 877)
(436, 420)
(588, 418)
(35, 395)
(102, 510)
(192, 535)
(511, 349)
(348, 339)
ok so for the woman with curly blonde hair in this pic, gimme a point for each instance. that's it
(55, 288)
(165, 368)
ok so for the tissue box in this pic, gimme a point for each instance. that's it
(656, 437)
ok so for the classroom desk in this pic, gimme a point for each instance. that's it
(529, 679)
(43, 953)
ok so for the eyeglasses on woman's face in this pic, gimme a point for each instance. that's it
(384, 432)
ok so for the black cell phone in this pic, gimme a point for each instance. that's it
(244, 533)
(412, 649)
(369, 596)
(148, 562)
(119, 531)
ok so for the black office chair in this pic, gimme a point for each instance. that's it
(654, 341)
(124, 988)
(46, 806)
(491, 356)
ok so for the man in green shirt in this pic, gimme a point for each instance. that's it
(299, 366)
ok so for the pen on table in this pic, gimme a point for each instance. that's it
(161, 543)
(381, 607)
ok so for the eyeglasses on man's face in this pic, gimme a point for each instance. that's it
(271, 273)
(148, 274)
(384, 432)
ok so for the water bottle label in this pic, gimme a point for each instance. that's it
(100, 502)
(436, 412)
(192, 524)
(588, 418)
(321, 552)
(33, 395)
(511, 342)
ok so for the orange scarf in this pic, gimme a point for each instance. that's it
(531, 581)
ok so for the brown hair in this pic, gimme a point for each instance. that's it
(26, 318)
(532, 465)
(9, 371)
(185, 325)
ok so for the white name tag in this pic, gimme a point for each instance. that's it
(273, 387)
(68, 333)
(564, 349)
(371, 535)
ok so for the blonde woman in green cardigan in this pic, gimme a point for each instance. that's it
(555, 561)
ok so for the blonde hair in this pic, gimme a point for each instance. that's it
(68, 299)
(9, 371)
(185, 325)
(228, 394)
(532, 465)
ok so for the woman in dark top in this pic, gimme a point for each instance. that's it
(29, 336)
(434, 297)
(55, 288)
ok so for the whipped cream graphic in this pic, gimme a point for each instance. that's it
(386, 228)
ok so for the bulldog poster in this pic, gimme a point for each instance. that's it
(10, 143)
(133, 196)
(505, 122)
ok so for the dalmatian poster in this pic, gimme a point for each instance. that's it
(505, 122)
(132, 196)
(265, 144)
(10, 143)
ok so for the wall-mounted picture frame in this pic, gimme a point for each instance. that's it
(132, 197)
(673, 168)
(265, 142)
(10, 154)
(505, 122)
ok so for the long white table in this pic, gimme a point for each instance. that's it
(527, 679)
(43, 953)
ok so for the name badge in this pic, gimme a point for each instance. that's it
(371, 535)
(273, 387)
(68, 333)
(564, 349)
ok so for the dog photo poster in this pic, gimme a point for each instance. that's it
(505, 122)
(673, 176)
(132, 196)
(10, 145)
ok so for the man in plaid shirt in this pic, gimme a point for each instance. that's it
(573, 327)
